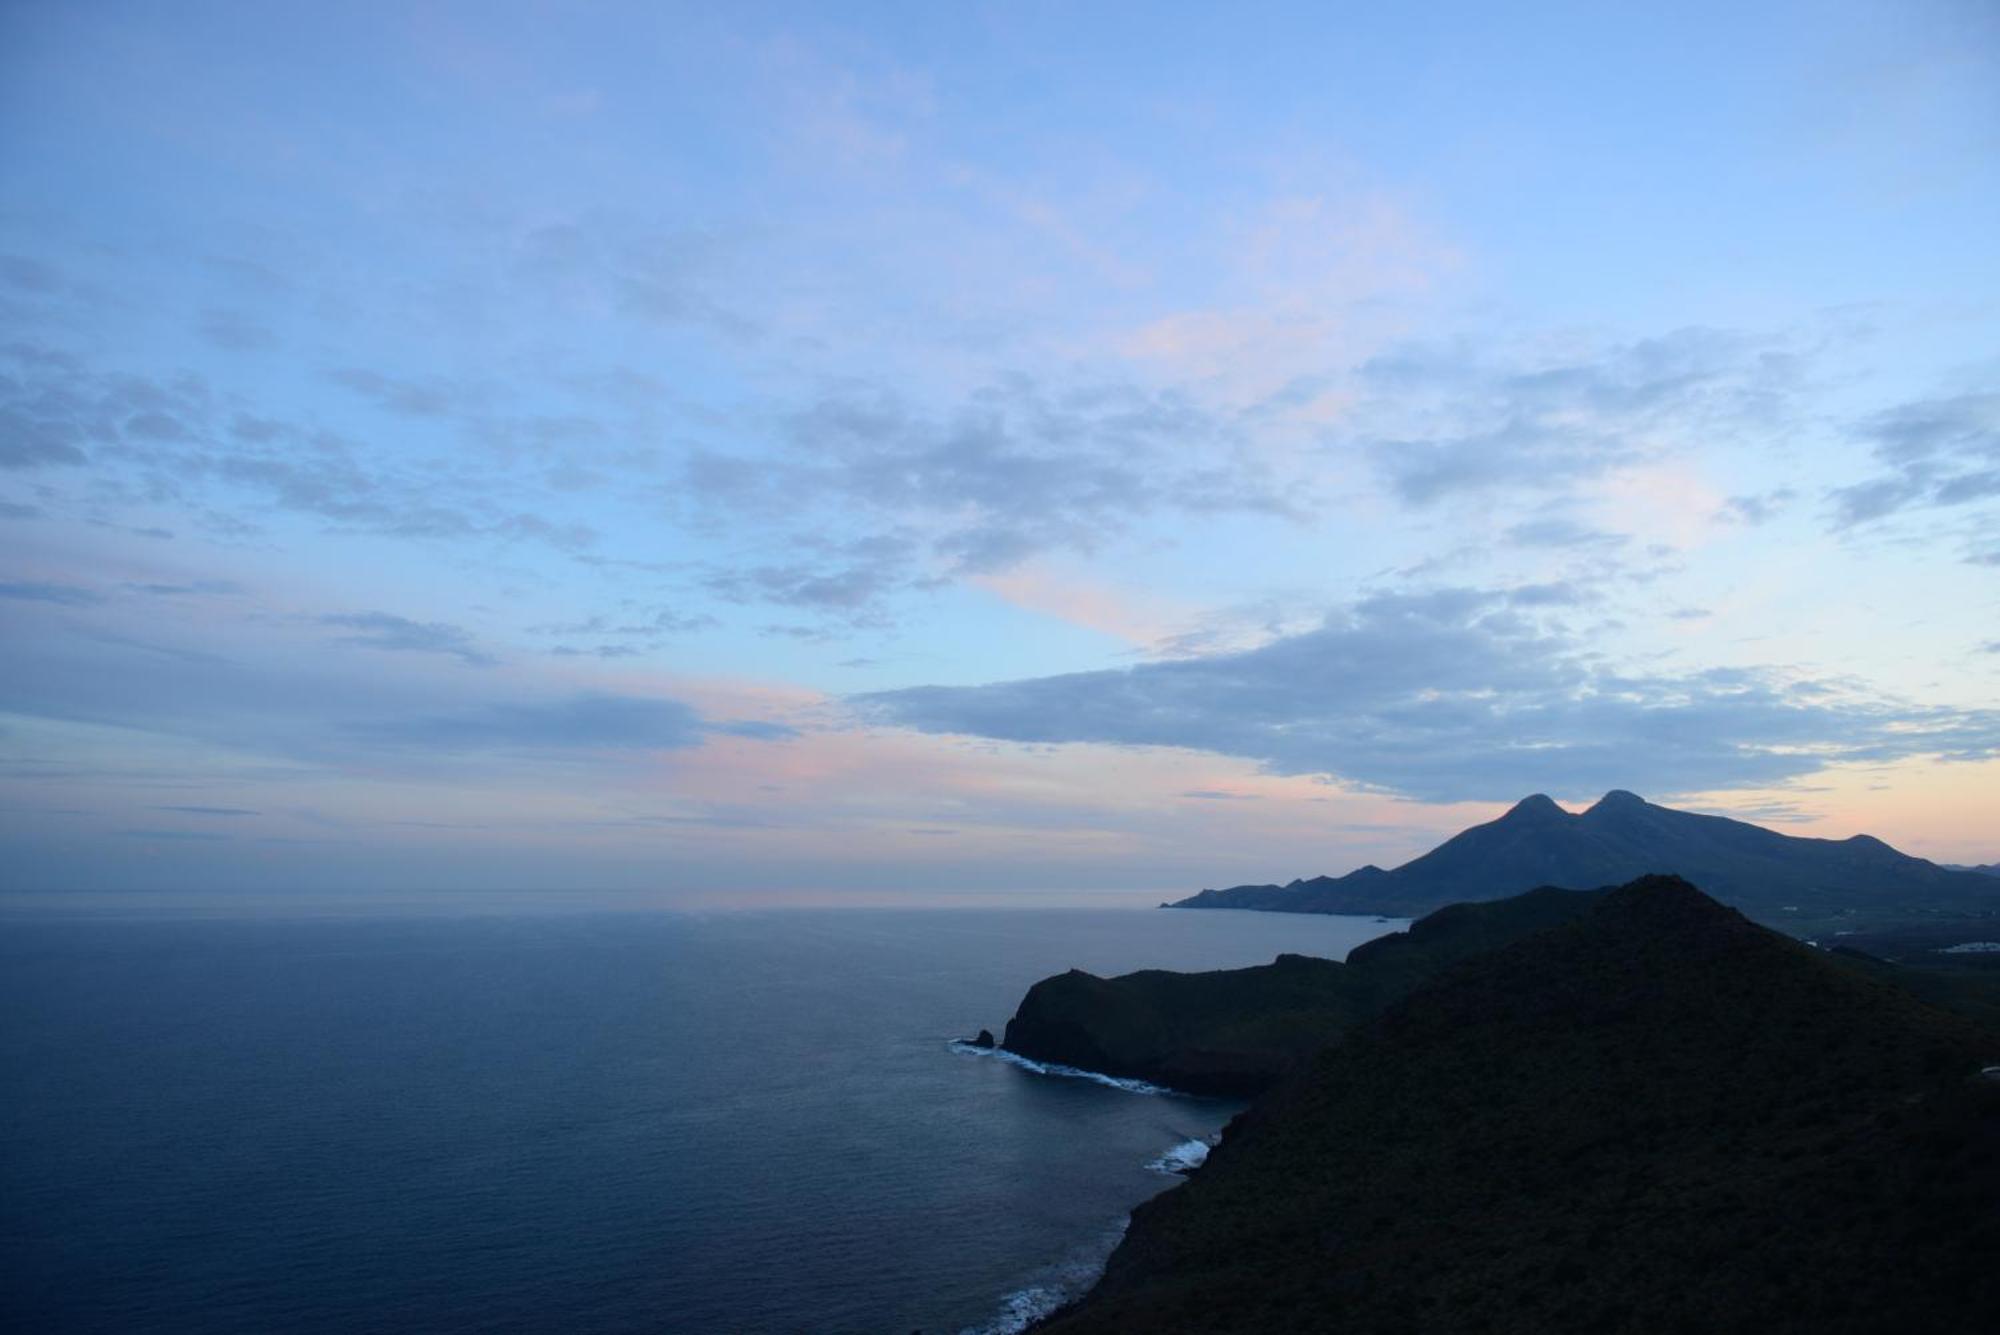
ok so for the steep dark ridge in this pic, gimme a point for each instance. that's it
(1236, 1031)
(1538, 843)
(1657, 1117)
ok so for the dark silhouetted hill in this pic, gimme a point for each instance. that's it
(1764, 873)
(1235, 1031)
(1656, 1116)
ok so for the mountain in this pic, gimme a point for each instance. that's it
(1657, 1116)
(1538, 843)
(1237, 1031)
(1982, 869)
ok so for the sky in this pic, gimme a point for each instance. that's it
(747, 454)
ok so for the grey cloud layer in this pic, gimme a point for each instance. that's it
(839, 505)
(589, 722)
(278, 692)
(36, 591)
(1440, 421)
(1452, 696)
(178, 440)
(860, 496)
(385, 630)
(1937, 452)
(1016, 469)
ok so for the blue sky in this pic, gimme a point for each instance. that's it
(981, 449)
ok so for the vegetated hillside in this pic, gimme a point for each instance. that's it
(1969, 985)
(1657, 1117)
(1765, 873)
(1236, 1031)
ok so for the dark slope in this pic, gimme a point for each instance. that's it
(1969, 985)
(1658, 1117)
(1538, 843)
(1237, 1030)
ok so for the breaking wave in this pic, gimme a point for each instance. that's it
(1125, 1083)
(1051, 1287)
(1054, 1286)
(1182, 1159)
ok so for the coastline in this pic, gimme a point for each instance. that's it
(1054, 1288)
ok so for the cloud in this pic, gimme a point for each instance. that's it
(177, 836)
(1517, 453)
(278, 699)
(1441, 422)
(29, 275)
(597, 651)
(1560, 532)
(63, 595)
(1764, 812)
(1938, 452)
(588, 722)
(650, 276)
(848, 590)
(383, 630)
(1759, 508)
(31, 441)
(408, 398)
(757, 730)
(1452, 696)
(1012, 470)
(234, 331)
(637, 632)
(199, 587)
(1558, 593)
(162, 439)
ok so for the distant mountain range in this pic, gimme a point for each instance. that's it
(1769, 875)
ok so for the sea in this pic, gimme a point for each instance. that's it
(578, 1122)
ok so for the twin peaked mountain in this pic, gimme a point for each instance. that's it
(1537, 843)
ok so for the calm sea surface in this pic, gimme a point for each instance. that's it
(609, 1122)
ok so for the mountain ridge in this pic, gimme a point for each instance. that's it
(1622, 836)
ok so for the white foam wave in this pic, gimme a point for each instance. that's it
(1125, 1083)
(1182, 1159)
(1051, 1287)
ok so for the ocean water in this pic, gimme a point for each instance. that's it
(602, 1122)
